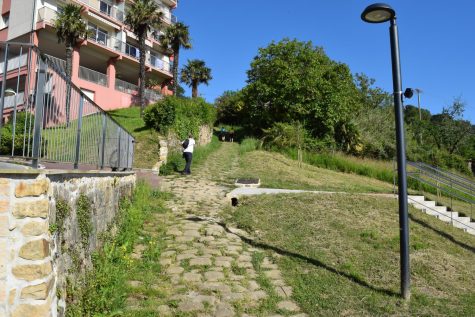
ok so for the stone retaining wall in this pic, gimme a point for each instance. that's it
(173, 143)
(35, 245)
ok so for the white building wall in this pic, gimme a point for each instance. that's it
(21, 17)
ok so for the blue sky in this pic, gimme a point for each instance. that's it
(436, 41)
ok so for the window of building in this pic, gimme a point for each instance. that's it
(99, 35)
(106, 7)
(4, 21)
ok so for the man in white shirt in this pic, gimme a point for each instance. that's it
(188, 146)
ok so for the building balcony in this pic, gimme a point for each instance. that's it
(170, 3)
(93, 76)
(104, 8)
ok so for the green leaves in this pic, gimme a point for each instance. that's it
(295, 81)
(195, 73)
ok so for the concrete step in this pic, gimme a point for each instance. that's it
(430, 207)
(460, 223)
(448, 216)
(415, 198)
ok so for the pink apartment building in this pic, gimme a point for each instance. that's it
(106, 65)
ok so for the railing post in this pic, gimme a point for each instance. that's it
(118, 148)
(128, 144)
(78, 135)
(4, 83)
(39, 107)
(103, 141)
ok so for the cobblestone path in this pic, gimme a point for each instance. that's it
(207, 270)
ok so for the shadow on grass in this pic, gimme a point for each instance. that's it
(314, 262)
(442, 234)
(144, 128)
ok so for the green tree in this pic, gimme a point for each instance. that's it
(70, 29)
(449, 130)
(141, 17)
(295, 81)
(195, 73)
(229, 107)
(370, 96)
(176, 36)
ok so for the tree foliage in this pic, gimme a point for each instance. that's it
(176, 36)
(141, 17)
(182, 115)
(295, 81)
(194, 73)
(230, 107)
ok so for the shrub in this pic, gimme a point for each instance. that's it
(180, 115)
(248, 145)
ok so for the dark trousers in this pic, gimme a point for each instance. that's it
(188, 157)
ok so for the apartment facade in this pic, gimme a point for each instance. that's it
(106, 65)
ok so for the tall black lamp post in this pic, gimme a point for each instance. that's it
(379, 13)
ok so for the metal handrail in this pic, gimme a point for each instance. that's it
(445, 179)
(468, 226)
(449, 174)
(59, 122)
(442, 189)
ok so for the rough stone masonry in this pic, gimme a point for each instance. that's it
(31, 268)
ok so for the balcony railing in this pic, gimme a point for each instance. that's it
(10, 101)
(152, 95)
(106, 40)
(14, 62)
(46, 14)
(156, 62)
(124, 86)
(105, 8)
(92, 76)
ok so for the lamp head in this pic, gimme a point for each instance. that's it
(378, 13)
(408, 93)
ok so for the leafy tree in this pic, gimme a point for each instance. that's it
(141, 17)
(70, 29)
(284, 135)
(176, 36)
(230, 107)
(371, 97)
(195, 73)
(449, 130)
(295, 81)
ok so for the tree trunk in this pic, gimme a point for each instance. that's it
(142, 72)
(176, 55)
(69, 71)
(194, 90)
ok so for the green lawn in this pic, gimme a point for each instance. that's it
(278, 171)
(340, 253)
(146, 140)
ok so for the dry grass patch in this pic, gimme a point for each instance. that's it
(277, 171)
(341, 255)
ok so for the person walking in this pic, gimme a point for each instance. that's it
(188, 146)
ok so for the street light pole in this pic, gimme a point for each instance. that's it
(378, 13)
(401, 162)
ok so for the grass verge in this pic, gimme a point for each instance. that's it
(104, 290)
(146, 140)
(340, 253)
(278, 171)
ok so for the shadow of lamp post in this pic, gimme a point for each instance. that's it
(379, 13)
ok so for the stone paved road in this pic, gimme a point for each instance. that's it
(210, 271)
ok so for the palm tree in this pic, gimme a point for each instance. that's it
(175, 37)
(141, 17)
(70, 28)
(195, 73)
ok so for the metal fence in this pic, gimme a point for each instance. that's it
(52, 119)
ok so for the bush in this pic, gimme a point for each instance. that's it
(248, 145)
(180, 115)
